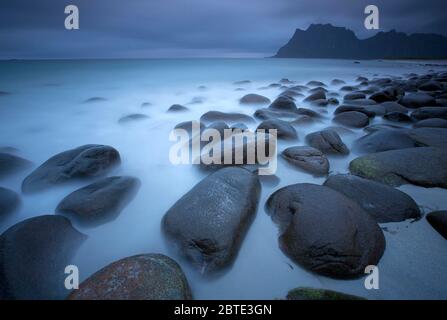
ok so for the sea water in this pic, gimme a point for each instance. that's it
(45, 113)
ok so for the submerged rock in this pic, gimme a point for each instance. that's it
(10, 164)
(324, 231)
(230, 118)
(307, 158)
(100, 201)
(283, 103)
(425, 166)
(9, 201)
(221, 207)
(141, 277)
(254, 99)
(177, 108)
(84, 162)
(382, 202)
(438, 220)
(302, 293)
(327, 141)
(133, 117)
(33, 257)
(95, 99)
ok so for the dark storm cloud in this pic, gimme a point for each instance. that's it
(178, 28)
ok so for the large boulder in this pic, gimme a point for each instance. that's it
(324, 231)
(438, 220)
(429, 137)
(228, 117)
(267, 114)
(425, 166)
(430, 112)
(327, 141)
(283, 103)
(319, 95)
(209, 223)
(100, 201)
(348, 108)
(140, 277)
(352, 119)
(33, 256)
(382, 202)
(417, 100)
(9, 201)
(384, 140)
(254, 99)
(308, 159)
(431, 123)
(10, 164)
(284, 129)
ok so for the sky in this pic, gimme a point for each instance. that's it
(34, 29)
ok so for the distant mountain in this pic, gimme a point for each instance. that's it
(327, 41)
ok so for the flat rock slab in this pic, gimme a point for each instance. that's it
(382, 202)
(209, 223)
(33, 257)
(425, 166)
(84, 162)
(141, 277)
(324, 231)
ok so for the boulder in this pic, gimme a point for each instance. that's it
(324, 231)
(417, 100)
(84, 162)
(355, 96)
(177, 108)
(302, 293)
(346, 108)
(284, 129)
(438, 220)
(352, 119)
(425, 166)
(133, 117)
(100, 201)
(230, 118)
(283, 103)
(10, 164)
(431, 123)
(319, 95)
(140, 277)
(254, 99)
(222, 207)
(267, 114)
(9, 201)
(431, 86)
(327, 141)
(429, 137)
(315, 84)
(33, 257)
(397, 117)
(384, 140)
(429, 113)
(308, 159)
(382, 202)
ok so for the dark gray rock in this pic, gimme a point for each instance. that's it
(84, 162)
(431, 86)
(319, 95)
(382, 202)
(283, 103)
(308, 159)
(337, 82)
(308, 112)
(417, 100)
(177, 108)
(101, 201)
(133, 117)
(431, 123)
(425, 166)
(11, 164)
(355, 96)
(254, 99)
(221, 207)
(430, 112)
(393, 106)
(346, 108)
(384, 140)
(95, 99)
(352, 119)
(309, 294)
(315, 84)
(397, 117)
(267, 114)
(284, 129)
(429, 137)
(141, 277)
(324, 231)
(33, 257)
(438, 220)
(9, 201)
(187, 126)
(230, 118)
(327, 141)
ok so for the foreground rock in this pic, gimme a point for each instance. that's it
(141, 277)
(307, 158)
(431, 123)
(324, 231)
(384, 140)
(100, 201)
(352, 119)
(9, 201)
(327, 141)
(417, 100)
(430, 112)
(438, 220)
(87, 161)
(10, 164)
(33, 257)
(284, 129)
(429, 137)
(425, 166)
(382, 202)
(302, 293)
(221, 207)
(254, 99)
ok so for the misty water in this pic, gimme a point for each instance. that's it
(46, 114)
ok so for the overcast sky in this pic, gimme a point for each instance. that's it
(192, 28)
